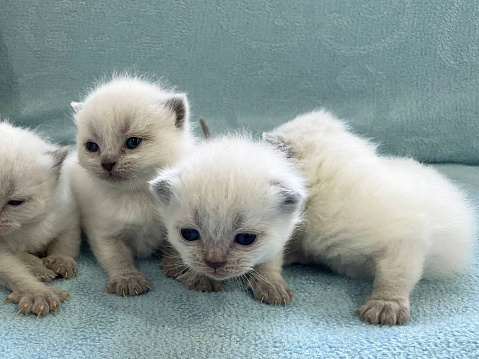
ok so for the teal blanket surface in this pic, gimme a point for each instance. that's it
(172, 322)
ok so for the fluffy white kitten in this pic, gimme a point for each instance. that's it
(229, 209)
(367, 215)
(127, 129)
(37, 215)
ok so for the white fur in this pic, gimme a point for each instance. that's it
(228, 186)
(33, 170)
(391, 218)
(117, 208)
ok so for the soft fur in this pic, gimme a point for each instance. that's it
(367, 215)
(229, 186)
(116, 205)
(46, 223)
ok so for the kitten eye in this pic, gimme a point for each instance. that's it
(133, 142)
(190, 234)
(15, 202)
(92, 146)
(245, 239)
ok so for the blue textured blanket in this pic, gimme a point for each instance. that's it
(172, 322)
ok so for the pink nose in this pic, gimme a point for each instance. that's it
(108, 165)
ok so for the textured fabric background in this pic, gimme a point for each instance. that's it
(405, 72)
(172, 322)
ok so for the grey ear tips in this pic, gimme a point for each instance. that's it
(279, 143)
(179, 105)
(266, 136)
(290, 200)
(161, 188)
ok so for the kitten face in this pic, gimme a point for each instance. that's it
(28, 175)
(228, 208)
(128, 128)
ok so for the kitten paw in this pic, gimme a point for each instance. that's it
(172, 266)
(43, 274)
(384, 312)
(129, 284)
(275, 292)
(199, 282)
(38, 302)
(64, 266)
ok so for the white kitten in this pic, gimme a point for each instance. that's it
(127, 129)
(37, 215)
(367, 215)
(229, 209)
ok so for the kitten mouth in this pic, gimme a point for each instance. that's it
(113, 177)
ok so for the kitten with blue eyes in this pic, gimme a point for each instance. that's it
(127, 128)
(229, 208)
(38, 216)
(391, 219)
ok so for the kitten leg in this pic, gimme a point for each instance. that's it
(31, 295)
(395, 278)
(117, 260)
(36, 267)
(267, 283)
(62, 251)
(173, 267)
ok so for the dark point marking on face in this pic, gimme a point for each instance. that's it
(238, 221)
(196, 218)
(126, 126)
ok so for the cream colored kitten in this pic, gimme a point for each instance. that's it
(229, 209)
(37, 215)
(367, 215)
(127, 129)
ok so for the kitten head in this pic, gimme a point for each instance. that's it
(231, 205)
(128, 128)
(29, 172)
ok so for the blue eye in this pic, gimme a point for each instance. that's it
(133, 142)
(245, 239)
(15, 202)
(92, 146)
(190, 234)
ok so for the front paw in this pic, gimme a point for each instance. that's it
(64, 266)
(271, 291)
(384, 312)
(128, 284)
(199, 282)
(38, 302)
(43, 274)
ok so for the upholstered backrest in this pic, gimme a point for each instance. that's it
(405, 73)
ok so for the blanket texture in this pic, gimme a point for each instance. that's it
(172, 322)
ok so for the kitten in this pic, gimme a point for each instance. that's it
(229, 209)
(127, 128)
(371, 216)
(37, 215)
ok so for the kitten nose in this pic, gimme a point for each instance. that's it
(108, 165)
(215, 265)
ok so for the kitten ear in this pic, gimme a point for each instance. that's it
(58, 157)
(77, 106)
(161, 186)
(179, 105)
(290, 200)
(278, 142)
